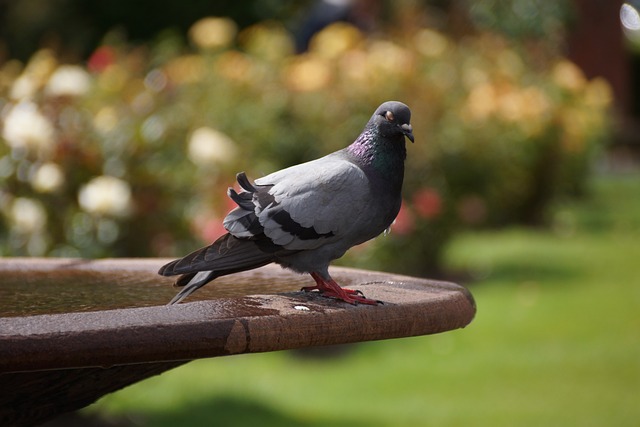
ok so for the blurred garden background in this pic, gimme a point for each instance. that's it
(123, 123)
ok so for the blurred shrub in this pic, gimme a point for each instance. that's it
(131, 155)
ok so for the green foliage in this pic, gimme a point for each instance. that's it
(130, 155)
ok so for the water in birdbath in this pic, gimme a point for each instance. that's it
(28, 291)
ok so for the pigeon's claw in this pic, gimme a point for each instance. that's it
(317, 288)
(329, 288)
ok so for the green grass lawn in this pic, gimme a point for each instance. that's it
(556, 342)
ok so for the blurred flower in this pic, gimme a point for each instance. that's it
(34, 76)
(508, 102)
(153, 128)
(307, 73)
(26, 127)
(23, 87)
(106, 119)
(106, 195)
(234, 65)
(113, 78)
(209, 147)
(575, 127)
(101, 59)
(598, 93)
(431, 43)
(390, 57)
(354, 65)
(427, 203)
(185, 69)
(68, 80)
(568, 76)
(335, 40)
(213, 33)
(155, 80)
(473, 75)
(481, 102)
(28, 215)
(48, 178)
(511, 105)
(510, 64)
(404, 223)
(269, 41)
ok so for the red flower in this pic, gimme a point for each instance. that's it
(101, 58)
(427, 203)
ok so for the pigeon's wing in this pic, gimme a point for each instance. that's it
(301, 207)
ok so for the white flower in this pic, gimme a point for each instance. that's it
(26, 127)
(209, 147)
(27, 215)
(68, 80)
(106, 195)
(48, 178)
(24, 86)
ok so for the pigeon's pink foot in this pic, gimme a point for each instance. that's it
(329, 288)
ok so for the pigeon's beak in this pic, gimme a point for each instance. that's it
(407, 130)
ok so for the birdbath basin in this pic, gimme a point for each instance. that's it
(73, 330)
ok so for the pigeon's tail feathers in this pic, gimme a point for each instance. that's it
(244, 200)
(243, 223)
(196, 281)
(245, 183)
(226, 255)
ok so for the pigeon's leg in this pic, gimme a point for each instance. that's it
(329, 288)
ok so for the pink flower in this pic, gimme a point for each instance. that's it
(404, 223)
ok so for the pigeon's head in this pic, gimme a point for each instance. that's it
(393, 118)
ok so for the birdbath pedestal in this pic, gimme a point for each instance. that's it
(74, 330)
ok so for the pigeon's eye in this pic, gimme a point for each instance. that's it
(389, 116)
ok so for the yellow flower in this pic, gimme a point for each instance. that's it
(431, 43)
(481, 103)
(113, 78)
(335, 40)
(268, 40)
(234, 65)
(35, 75)
(213, 33)
(307, 73)
(354, 68)
(568, 76)
(575, 127)
(598, 93)
(185, 69)
(106, 119)
(388, 56)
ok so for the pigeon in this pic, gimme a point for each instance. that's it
(307, 215)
